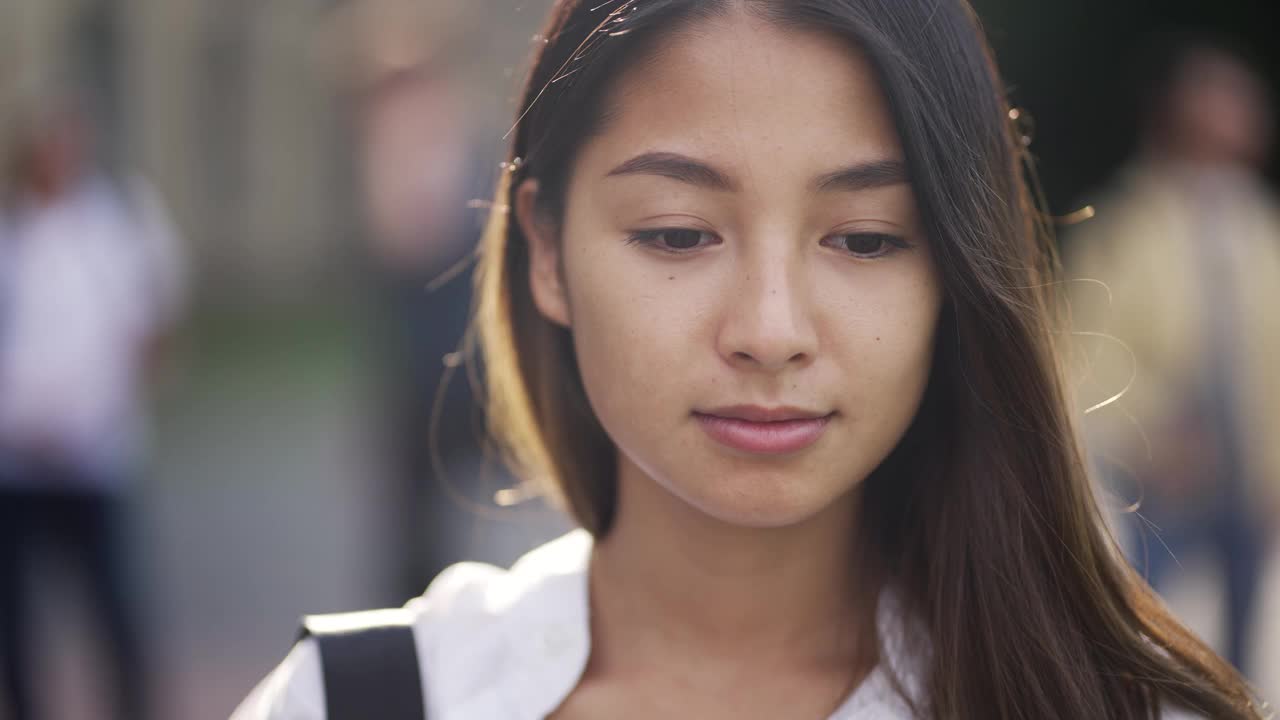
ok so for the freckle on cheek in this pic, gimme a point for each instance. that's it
(673, 277)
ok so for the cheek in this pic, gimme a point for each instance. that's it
(882, 336)
(633, 334)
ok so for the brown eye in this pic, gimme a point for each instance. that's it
(674, 240)
(866, 245)
(681, 239)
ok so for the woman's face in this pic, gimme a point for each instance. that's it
(743, 270)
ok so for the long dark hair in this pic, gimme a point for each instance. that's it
(984, 515)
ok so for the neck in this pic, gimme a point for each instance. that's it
(674, 581)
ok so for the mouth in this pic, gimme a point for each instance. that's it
(764, 431)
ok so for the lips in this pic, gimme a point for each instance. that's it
(764, 431)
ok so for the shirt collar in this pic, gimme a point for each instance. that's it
(547, 628)
(547, 632)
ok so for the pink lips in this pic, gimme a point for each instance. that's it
(764, 431)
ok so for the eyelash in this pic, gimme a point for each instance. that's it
(651, 238)
(890, 244)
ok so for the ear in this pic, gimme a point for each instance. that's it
(545, 279)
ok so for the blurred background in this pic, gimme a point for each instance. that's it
(262, 215)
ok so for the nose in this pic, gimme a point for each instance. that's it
(767, 323)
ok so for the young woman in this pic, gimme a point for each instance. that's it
(765, 304)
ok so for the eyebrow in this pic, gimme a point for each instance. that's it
(864, 176)
(677, 167)
(682, 168)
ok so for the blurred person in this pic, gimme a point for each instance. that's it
(90, 280)
(422, 157)
(764, 304)
(1181, 274)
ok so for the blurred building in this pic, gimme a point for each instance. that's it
(230, 107)
(269, 491)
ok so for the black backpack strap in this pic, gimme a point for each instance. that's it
(370, 664)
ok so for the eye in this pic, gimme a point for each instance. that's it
(674, 240)
(866, 245)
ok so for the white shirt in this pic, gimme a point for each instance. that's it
(84, 282)
(512, 645)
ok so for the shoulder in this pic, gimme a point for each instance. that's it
(293, 691)
(486, 638)
(471, 597)
(506, 643)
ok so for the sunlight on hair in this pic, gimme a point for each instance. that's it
(512, 496)
(577, 55)
(1075, 218)
(1133, 363)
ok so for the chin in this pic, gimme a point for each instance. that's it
(762, 501)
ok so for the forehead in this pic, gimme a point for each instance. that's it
(752, 95)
